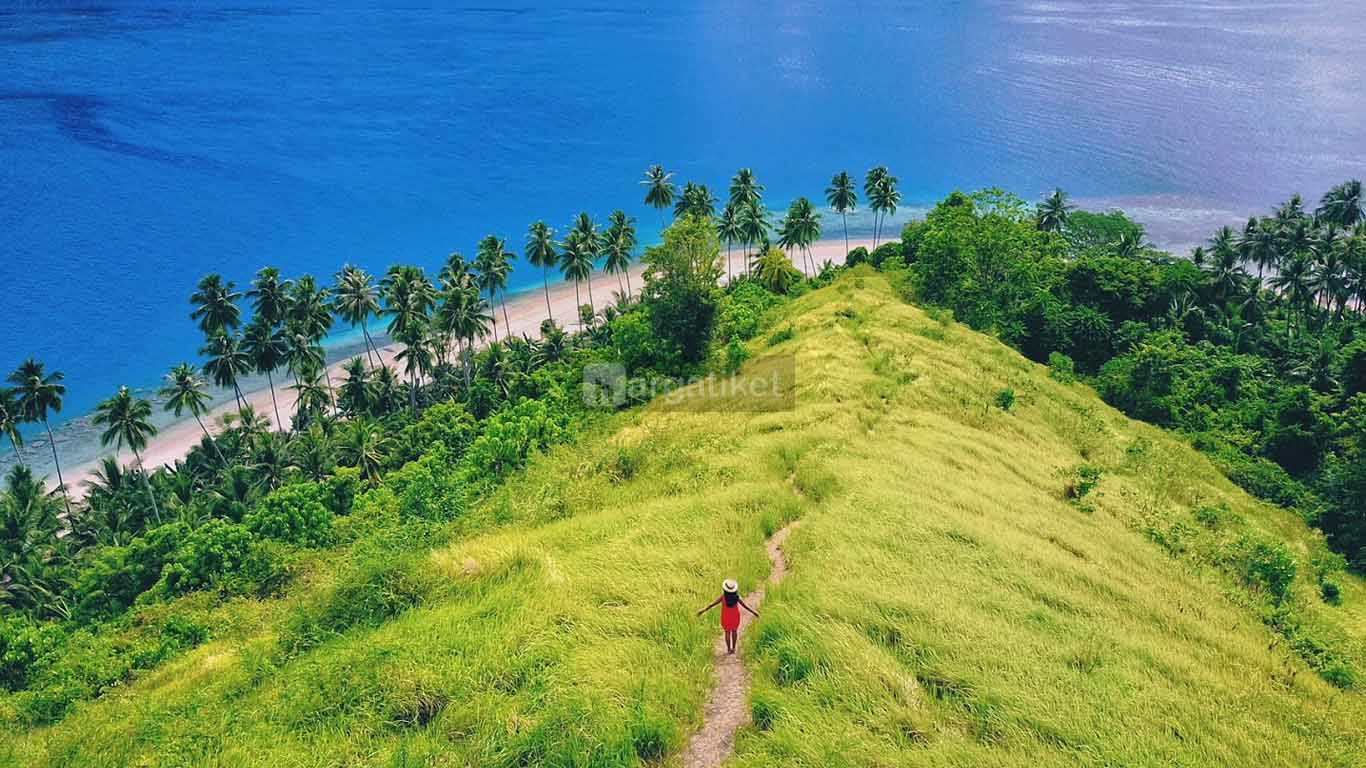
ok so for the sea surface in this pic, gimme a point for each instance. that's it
(145, 144)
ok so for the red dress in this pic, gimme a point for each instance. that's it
(730, 615)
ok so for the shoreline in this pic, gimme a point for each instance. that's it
(526, 309)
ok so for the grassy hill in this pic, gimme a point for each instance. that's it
(979, 579)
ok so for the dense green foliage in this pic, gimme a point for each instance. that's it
(1265, 371)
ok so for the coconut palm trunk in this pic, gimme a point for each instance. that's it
(270, 380)
(369, 345)
(212, 441)
(66, 498)
(494, 317)
(629, 289)
(545, 281)
(845, 218)
(507, 324)
(148, 485)
(590, 294)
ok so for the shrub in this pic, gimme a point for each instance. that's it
(857, 256)
(1330, 591)
(22, 644)
(1061, 368)
(742, 311)
(217, 552)
(448, 423)
(511, 435)
(736, 355)
(296, 513)
(782, 334)
(115, 576)
(886, 253)
(1083, 480)
(1267, 566)
(1005, 399)
(429, 488)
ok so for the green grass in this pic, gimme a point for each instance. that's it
(948, 602)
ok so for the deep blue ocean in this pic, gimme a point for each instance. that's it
(145, 144)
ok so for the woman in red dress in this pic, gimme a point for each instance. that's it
(731, 603)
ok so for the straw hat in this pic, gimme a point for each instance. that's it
(729, 585)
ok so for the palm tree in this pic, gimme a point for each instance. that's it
(1225, 268)
(269, 296)
(540, 251)
(1051, 214)
(1259, 244)
(1295, 281)
(745, 190)
(416, 356)
(494, 263)
(264, 345)
(465, 314)
(302, 355)
(225, 361)
(728, 229)
(1343, 205)
(363, 445)
(356, 300)
(356, 391)
(619, 244)
(842, 195)
(799, 228)
(775, 272)
(125, 419)
(754, 228)
(660, 189)
(184, 391)
(215, 305)
(40, 393)
(312, 451)
(586, 243)
(696, 201)
(311, 397)
(871, 181)
(408, 298)
(10, 419)
(883, 199)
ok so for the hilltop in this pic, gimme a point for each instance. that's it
(992, 567)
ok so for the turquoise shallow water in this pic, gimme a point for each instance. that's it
(144, 144)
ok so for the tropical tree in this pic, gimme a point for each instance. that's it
(465, 314)
(842, 196)
(871, 182)
(416, 357)
(215, 305)
(773, 269)
(312, 451)
(265, 346)
(580, 254)
(356, 394)
(1295, 282)
(883, 199)
(364, 445)
(493, 263)
(799, 228)
(1343, 205)
(728, 229)
(40, 393)
(745, 189)
(10, 418)
(619, 245)
(355, 299)
(269, 296)
(754, 228)
(311, 397)
(1051, 214)
(697, 201)
(1225, 266)
(126, 422)
(225, 361)
(184, 391)
(540, 251)
(659, 188)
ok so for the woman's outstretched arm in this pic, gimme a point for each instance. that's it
(746, 607)
(714, 603)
